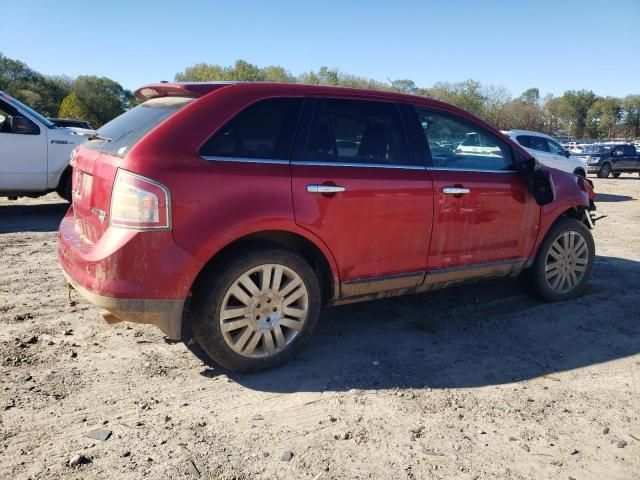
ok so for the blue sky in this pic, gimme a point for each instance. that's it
(552, 45)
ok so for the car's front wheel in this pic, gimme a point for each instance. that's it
(604, 171)
(564, 262)
(253, 312)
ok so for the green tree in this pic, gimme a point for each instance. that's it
(574, 107)
(466, 95)
(404, 86)
(43, 93)
(530, 95)
(103, 98)
(72, 107)
(631, 115)
(603, 117)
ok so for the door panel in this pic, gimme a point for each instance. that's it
(379, 225)
(23, 162)
(496, 220)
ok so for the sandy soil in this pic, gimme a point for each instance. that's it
(471, 383)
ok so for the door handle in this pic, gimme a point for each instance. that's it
(325, 189)
(455, 190)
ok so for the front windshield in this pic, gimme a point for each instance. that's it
(45, 121)
(598, 149)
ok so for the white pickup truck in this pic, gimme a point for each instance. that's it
(34, 153)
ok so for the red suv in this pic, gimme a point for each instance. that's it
(235, 211)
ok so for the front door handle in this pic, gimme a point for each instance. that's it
(325, 189)
(455, 190)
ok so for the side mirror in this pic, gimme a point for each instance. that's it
(22, 125)
(567, 153)
(542, 188)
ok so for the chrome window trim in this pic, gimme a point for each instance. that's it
(364, 165)
(274, 161)
(474, 170)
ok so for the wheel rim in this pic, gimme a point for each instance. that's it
(264, 310)
(566, 262)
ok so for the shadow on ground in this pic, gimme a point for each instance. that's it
(607, 197)
(43, 217)
(471, 336)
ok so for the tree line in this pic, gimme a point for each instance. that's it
(578, 113)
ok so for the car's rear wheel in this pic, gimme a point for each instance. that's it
(254, 311)
(616, 174)
(580, 172)
(604, 171)
(564, 262)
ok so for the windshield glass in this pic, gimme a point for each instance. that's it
(123, 132)
(598, 149)
(21, 106)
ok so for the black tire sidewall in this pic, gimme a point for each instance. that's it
(604, 171)
(537, 274)
(209, 294)
(64, 187)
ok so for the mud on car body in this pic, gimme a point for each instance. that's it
(237, 211)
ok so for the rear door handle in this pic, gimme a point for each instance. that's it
(455, 190)
(325, 189)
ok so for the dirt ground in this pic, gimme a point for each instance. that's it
(475, 382)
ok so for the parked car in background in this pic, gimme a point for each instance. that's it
(236, 211)
(547, 151)
(612, 159)
(34, 152)
(79, 126)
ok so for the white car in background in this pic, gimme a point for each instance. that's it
(547, 151)
(34, 152)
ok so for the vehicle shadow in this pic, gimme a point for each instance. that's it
(608, 197)
(484, 334)
(42, 217)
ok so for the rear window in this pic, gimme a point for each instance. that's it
(264, 130)
(127, 129)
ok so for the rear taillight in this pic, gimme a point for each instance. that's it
(139, 203)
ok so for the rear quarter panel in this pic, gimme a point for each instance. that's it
(217, 202)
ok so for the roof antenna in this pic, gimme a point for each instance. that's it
(393, 86)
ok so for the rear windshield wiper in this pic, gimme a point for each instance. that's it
(97, 136)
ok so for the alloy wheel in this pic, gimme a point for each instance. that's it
(566, 262)
(264, 310)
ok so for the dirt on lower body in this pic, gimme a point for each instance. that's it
(473, 382)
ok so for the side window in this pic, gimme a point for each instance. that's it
(523, 140)
(629, 150)
(12, 121)
(554, 147)
(458, 144)
(618, 152)
(263, 130)
(538, 143)
(357, 131)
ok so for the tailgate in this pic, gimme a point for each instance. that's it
(93, 176)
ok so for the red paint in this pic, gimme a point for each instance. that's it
(388, 221)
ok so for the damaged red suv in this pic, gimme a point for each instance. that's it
(236, 211)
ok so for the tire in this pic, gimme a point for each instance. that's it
(604, 171)
(539, 279)
(616, 174)
(64, 186)
(580, 173)
(255, 339)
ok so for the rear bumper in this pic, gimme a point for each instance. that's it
(164, 314)
(141, 277)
